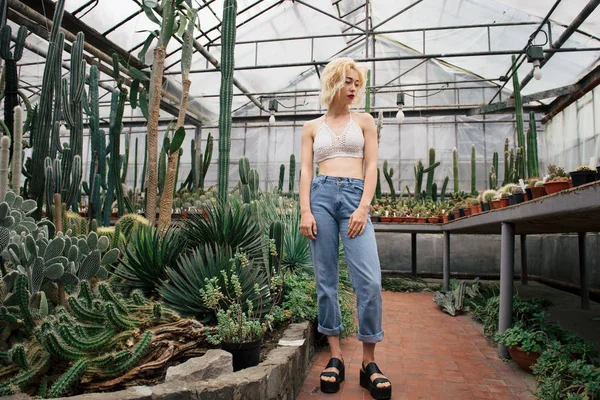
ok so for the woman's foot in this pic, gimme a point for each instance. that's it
(372, 378)
(333, 375)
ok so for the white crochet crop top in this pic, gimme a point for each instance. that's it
(350, 143)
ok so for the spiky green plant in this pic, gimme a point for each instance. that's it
(388, 177)
(455, 168)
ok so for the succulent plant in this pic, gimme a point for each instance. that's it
(585, 168)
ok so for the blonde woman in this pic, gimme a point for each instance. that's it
(336, 203)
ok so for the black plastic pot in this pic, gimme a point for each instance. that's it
(529, 194)
(461, 212)
(511, 200)
(244, 354)
(582, 177)
(375, 218)
(519, 197)
(485, 206)
(451, 217)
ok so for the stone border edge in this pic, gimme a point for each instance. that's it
(280, 376)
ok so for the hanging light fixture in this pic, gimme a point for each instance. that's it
(400, 103)
(273, 108)
(535, 54)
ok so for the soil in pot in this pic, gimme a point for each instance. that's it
(556, 186)
(244, 354)
(582, 177)
(523, 360)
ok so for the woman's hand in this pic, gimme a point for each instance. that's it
(357, 222)
(308, 225)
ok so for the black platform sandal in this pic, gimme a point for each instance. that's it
(333, 387)
(379, 393)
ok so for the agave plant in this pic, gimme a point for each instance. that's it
(229, 224)
(147, 256)
(182, 290)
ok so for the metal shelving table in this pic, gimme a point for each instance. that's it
(576, 210)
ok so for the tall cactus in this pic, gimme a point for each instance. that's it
(11, 86)
(44, 118)
(253, 183)
(532, 148)
(430, 172)
(444, 187)
(281, 178)
(388, 177)
(125, 165)
(519, 117)
(17, 151)
(226, 95)
(507, 166)
(72, 107)
(455, 168)
(292, 179)
(135, 164)
(495, 165)
(166, 201)
(419, 171)
(156, 77)
(205, 159)
(473, 172)
(4, 160)
(378, 187)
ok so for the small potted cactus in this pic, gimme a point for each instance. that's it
(518, 195)
(504, 199)
(582, 175)
(538, 189)
(558, 179)
(487, 197)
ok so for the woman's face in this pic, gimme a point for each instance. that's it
(347, 93)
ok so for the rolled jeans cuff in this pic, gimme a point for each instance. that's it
(330, 332)
(378, 337)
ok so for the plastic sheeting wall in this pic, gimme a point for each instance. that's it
(573, 136)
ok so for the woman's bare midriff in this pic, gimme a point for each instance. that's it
(345, 167)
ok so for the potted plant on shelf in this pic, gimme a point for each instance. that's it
(475, 206)
(538, 189)
(524, 344)
(518, 194)
(504, 199)
(558, 179)
(487, 197)
(582, 175)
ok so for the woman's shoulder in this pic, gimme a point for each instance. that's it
(313, 124)
(363, 119)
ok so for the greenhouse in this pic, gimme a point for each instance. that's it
(299, 199)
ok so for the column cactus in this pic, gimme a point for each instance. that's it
(206, 158)
(72, 108)
(125, 165)
(455, 168)
(292, 179)
(495, 165)
(430, 172)
(519, 117)
(532, 148)
(254, 183)
(444, 187)
(473, 172)
(388, 177)
(156, 77)
(507, 166)
(174, 150)
(281, 178)
(17, 157)
(226, 95)
(418, 170)
(135, 164)
(378, 187)
(11, 85)
(4, 160)
(44, 119)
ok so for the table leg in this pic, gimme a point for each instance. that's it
(446, 270)
(413, 254)
(583, 275)
(524, 259)
(507, 269)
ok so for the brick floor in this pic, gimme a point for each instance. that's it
(427, 355)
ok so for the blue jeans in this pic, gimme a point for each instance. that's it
(332, 201)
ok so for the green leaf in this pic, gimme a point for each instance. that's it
(146, 46)
(137, 74)
(150, 3)
(177, 141)
(150, 14)
(133, 94)
(182, 26)
(110, 257)
(115, 62)
(166, 143)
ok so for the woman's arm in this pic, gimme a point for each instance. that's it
(308, 226)
(358, 219)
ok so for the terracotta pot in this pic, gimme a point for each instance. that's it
(523, 360)
(538, 192)
(504, 202)
(421, 220)
(444, 218)
(411, 220)
(386, 219)
(397, 219)
(556, 186)
(479, 207)
(468, 211)
(526, 195)
(456, 215)
(433, 220)
(475, 210)
(495, 204)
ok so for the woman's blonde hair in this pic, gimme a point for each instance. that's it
(334, 77)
